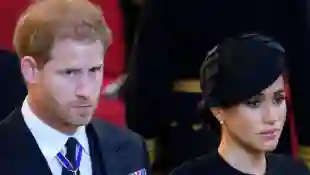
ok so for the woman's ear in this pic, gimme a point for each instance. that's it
(218, 113)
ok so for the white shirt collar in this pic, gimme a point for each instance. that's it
(49, 139)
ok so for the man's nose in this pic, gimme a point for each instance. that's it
(83, 88)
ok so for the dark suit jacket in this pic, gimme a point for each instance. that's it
(121, 151)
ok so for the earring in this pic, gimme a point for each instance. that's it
(221, 122)
(219, 118)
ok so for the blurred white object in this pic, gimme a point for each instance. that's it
(112, 90)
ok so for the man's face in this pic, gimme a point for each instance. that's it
(71, 80)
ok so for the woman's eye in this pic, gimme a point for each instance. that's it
(278, 100)
(253, 103)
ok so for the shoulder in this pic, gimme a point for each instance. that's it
(122, 141)
(116, 134)
(286, 164)
(197, 166)
(210, 163)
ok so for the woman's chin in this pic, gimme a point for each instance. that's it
(269, 146)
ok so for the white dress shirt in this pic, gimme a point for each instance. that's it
(51, 141)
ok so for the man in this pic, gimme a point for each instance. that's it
(163, 87)
(61, 44)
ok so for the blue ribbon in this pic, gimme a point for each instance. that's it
(67, 164)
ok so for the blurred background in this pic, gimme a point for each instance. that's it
(151, 69)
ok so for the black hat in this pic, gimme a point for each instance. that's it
(240, 68)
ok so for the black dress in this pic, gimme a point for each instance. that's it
(213, 164)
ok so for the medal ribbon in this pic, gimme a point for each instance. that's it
(67, 164)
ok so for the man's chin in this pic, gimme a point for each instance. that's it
(81, 120)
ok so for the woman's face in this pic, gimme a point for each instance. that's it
(257, 122)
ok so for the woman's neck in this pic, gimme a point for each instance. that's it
(240, 158)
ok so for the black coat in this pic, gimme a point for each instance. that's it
(113, 151)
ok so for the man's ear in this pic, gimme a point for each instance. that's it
(29, 69)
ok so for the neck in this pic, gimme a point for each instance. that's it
(49, 116)
(240, 158)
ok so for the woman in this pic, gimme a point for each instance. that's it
(243, 87)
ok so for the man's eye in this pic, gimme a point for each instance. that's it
(95, 69)
(70, 72)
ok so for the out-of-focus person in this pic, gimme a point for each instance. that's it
(12, 84)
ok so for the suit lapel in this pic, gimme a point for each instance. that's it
(23, 147)
(110, 150)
